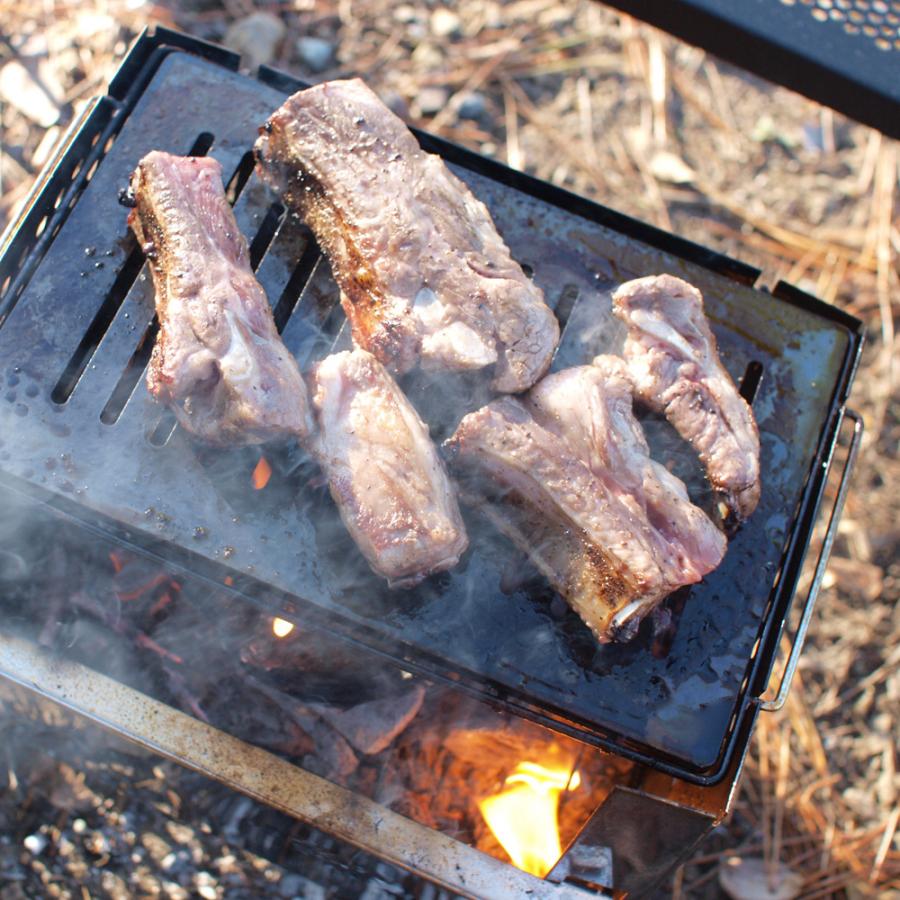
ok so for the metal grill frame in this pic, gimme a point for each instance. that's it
(57, 193)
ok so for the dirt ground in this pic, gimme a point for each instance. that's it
(662, 131)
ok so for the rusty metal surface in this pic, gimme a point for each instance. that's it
(520, 646)
(269, 779)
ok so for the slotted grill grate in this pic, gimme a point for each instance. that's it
(79, 429)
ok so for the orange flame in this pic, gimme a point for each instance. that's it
(281, 627)
(261, 474)
(524, 816)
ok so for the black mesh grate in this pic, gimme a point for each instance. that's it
(877, 20)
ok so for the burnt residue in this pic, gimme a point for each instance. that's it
(126, 197)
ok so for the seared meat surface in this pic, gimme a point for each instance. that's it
(424, 276)
(672, 355)
(573, 484)
(218, 361)
(383, 470)
(590, 408)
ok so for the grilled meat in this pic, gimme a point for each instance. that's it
(218, 361)
(672, 355)
(591, 546)
(424, 276)
(574, 486)
(590, 409)
(383, 470)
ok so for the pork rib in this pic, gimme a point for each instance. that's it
(592, 547)
(672, 355)
(218, 361)
(424, 276)
(590, 409)
(572, 484)
(383, 470)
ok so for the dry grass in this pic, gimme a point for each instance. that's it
(662, 131)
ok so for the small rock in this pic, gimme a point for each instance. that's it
(227, 864)
(256, 37)
(396, 103)
(431, 100)
(204, 879)
(473, 106)
(157, 847)
(315, 53)
(667, 166)
(181, 834)
(427, 56)
(114, 887)
(883, 723)
(405, 13)
(35, 843)
(13, 891)
(302, 888)
(444, 22)
(96, 843)
(752, 878)
(291, 886)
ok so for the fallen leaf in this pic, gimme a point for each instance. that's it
(667, 166)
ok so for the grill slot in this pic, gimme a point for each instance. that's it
(241, 176)
(293, 289)
(101, 322)
(266, 233)
(749, 385)
(137, 364)
(163, 429)
(202, 144)
(99, 325)
(566, 303)
(131, 375)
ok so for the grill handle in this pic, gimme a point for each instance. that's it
(790, 668)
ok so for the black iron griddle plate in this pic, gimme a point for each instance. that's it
(521, 646)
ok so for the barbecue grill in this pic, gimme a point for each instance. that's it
(81, 436)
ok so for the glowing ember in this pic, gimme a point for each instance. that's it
(524, 816)
(281, 627)
(261, 474)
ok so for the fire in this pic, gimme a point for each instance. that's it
(261, 474)
(523, 817)
(281, 627)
